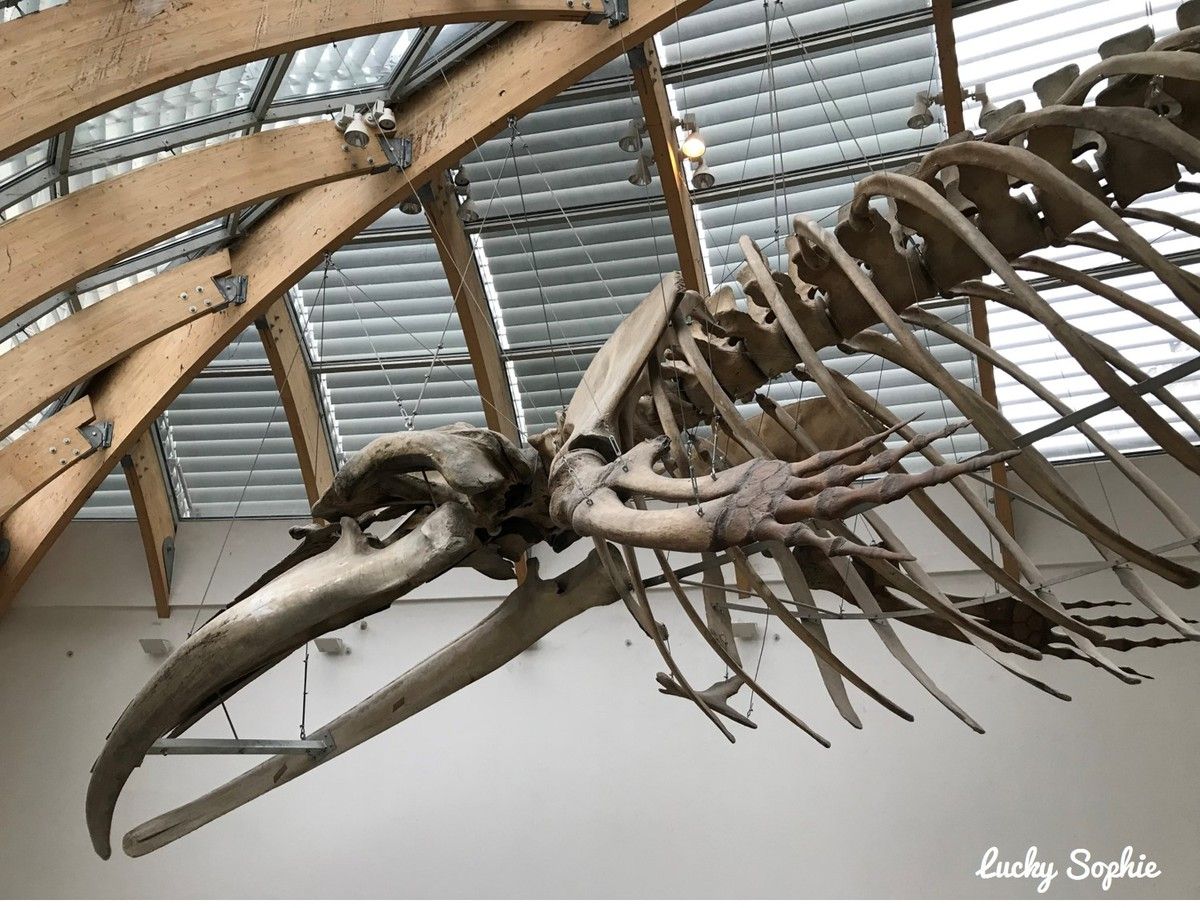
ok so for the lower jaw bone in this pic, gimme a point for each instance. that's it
(328, 591)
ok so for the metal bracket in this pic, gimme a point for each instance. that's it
(233, 288)
(615, 11)
(98, 434)
(169, 746)
(399, 150)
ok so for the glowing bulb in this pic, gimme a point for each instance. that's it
(692, 147)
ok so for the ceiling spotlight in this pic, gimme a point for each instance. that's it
(411, 205)
(462, 179)
(692, 147)
(641, 171)
(357, 135)
(467, 212)
(702, 177)
(381, 115)
(156, 647)
(343, 117)
(921, 115)
(631, 140)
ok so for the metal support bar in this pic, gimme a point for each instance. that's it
(1086, 571)
(196, 746)
(1141, 388)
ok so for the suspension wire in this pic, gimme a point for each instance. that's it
(512, 150)
(287, 375)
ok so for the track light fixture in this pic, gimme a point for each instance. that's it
(692, 147)
(357, 135)
(411, 205)
(641, 170)
(467, 212)
(381, 116)
(631, 139)
(921, 115)
(344, 117)
(702, 177)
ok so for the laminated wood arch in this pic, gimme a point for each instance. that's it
(531, 64)
(80, 59)
(52, 247)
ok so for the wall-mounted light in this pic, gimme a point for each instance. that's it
(631, 139)
(921, 115)
(411, 205)
(467, 212)
(692, 147)
(357, 134)
(702, 177)
(380, 115)
(641, 171)
(990, 116)
(344, 117)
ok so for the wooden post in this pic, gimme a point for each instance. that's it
(943, 29)
(470, 300)
(285, 352)
(660, 125)
(151, 492)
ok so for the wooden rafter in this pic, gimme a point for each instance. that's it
(80, 59)
(35, 372)
(32, 461)
(285, 353)
(531, 64)
(660, 125)
(470, 301)
(52, 247)
(150, 490)
(943, 27)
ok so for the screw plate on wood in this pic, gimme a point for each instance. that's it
(399, 150)
(98, 434)
(233, 287)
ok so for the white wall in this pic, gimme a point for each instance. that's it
(565, 773)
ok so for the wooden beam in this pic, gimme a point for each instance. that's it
(470, 301)
(80, 59)
(530, 65)
(37, 371)
(285, 353)
(660, 125)
(947, 51)
(151, 493)
(53, 247)
(50, 448)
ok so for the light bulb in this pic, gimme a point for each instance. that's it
(692, 147)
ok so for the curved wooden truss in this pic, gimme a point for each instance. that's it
(80, 59)
(54, 246)
(483, 92)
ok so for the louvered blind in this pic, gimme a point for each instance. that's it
(230, 436)
(1009, 46)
